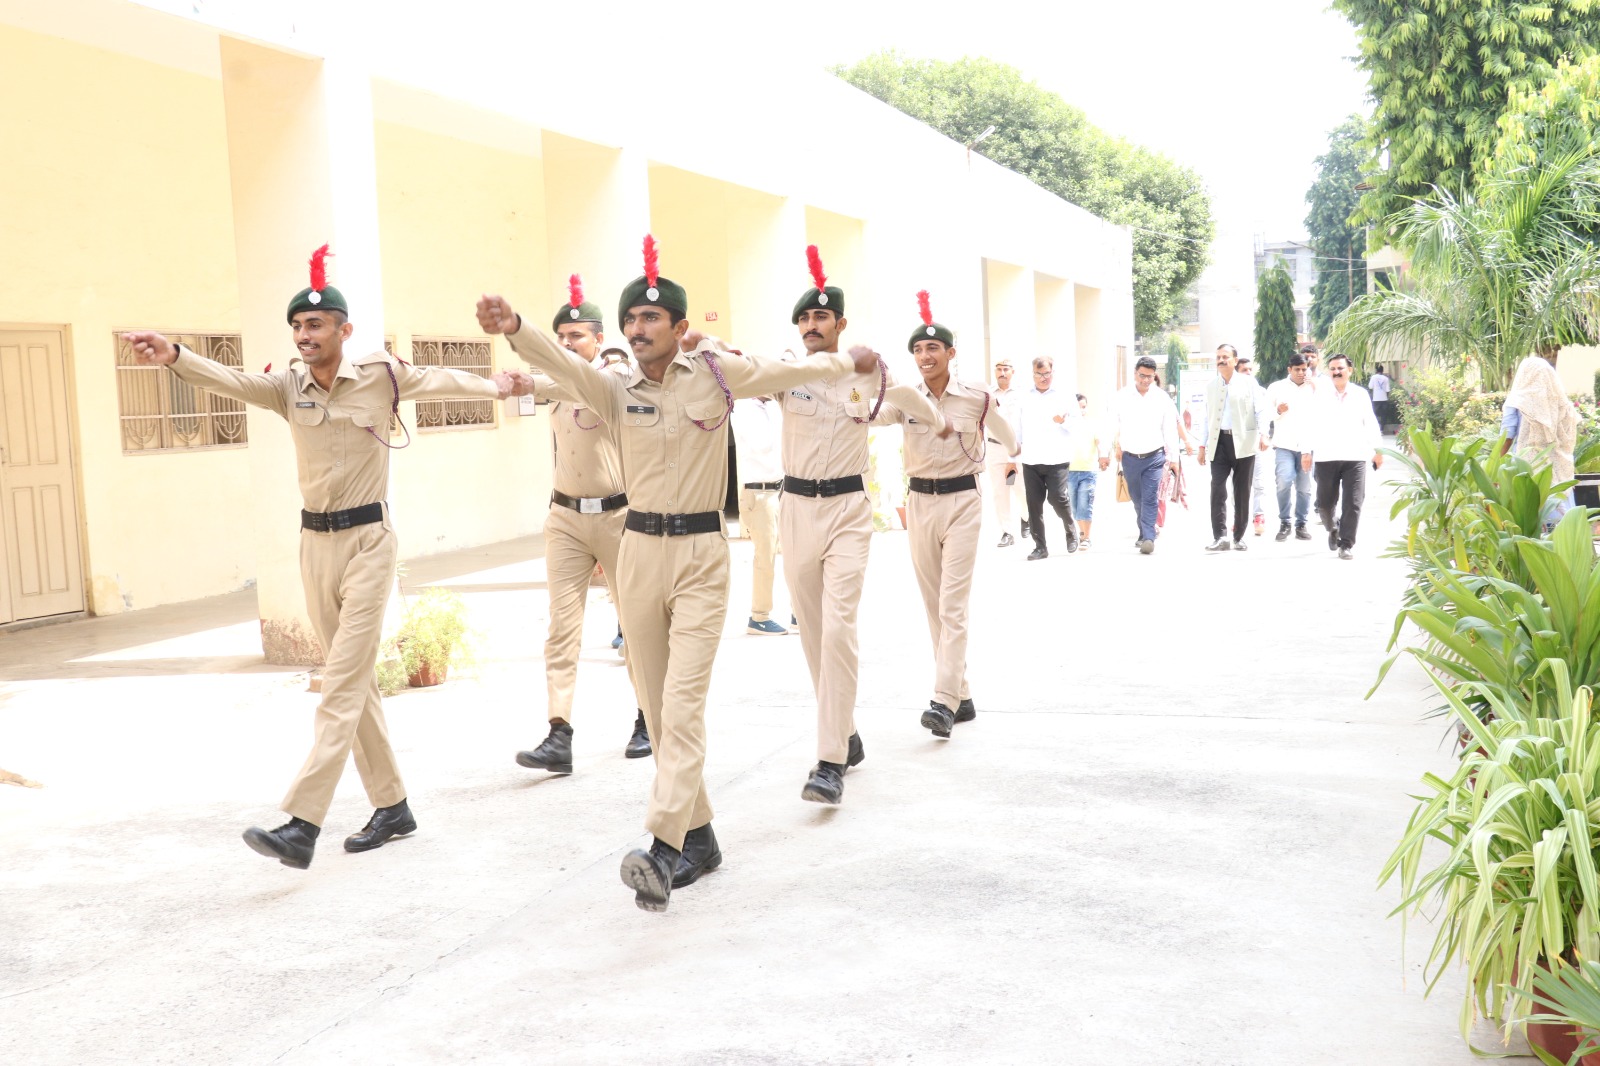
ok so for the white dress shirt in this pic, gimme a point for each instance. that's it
(1379, 386)
(1046, 442)
(1146, 421)
(757, 439)
(1290, 428)
(1345, 427)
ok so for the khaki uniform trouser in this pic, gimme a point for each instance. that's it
(825, 544)
(674, 602)
(944, 549)
(573, 543)
(347, 575)
(1004, 495)
(758, 515)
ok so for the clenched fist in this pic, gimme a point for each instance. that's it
(495, 315)
(866, 359)
(152, 349)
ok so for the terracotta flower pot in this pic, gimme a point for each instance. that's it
(1560, 1041)
(426, 676)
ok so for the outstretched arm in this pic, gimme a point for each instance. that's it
(596, 388)
(263, 390)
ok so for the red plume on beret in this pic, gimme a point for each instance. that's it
(651, 268)
(814, 261)
(319, 268)
(923, 309)
(575, 290)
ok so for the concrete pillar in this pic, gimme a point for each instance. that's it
(766, 270)
(1013, 325)
(1097, 357)
(300, 154)
(1055, 315)
(598, 211)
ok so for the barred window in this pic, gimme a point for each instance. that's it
(471, 355)
(162, 412)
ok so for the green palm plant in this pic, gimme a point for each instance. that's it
(1516, 887)
(1496, 274)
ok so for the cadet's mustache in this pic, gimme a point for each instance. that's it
(814, 333)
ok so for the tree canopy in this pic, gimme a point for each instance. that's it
(1440, 73)
(1047, 140)
(1339, 244)
(1275, 337)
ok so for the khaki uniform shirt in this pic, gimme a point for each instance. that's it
(587, 461)
(670, 465)
(963, 451)
(821, 437)
(343, 463)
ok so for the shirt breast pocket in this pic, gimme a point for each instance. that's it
(797, 404)
(708, 413)
(858, 409)
(921, 429)
(641, 430)
(377, 419)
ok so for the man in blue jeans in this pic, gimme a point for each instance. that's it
(1289, 402)
(1145, 439)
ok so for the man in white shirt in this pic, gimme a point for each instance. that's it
(1290, 402)
(1235, 420)
(758, 436)
(1146, 444)
(1344, 439)
(1005, 480)
(1044, 430)
(1379, 385)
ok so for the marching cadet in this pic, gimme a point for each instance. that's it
(825, 523)
(340, 411)
(584, 528)
(757, 431)
(944, 514)
(671, 418)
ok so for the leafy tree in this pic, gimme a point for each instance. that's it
(1275, 338)
(1177, 359)
(1440, 73)
(1050, 142)
(1339, 243)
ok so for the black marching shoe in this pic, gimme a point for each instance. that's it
(291, 843)
(938, 718)
(638, 744)
(857, 754)
(1240, 546)
(826, 783)
(965, 711)
(385, 823)
(1006, 541)
(1221, 544)
(700, 855)
(649, 874)
(555, 754)
(1283, 532)
(1024, 530)
(1037, 554)
(1302, 533)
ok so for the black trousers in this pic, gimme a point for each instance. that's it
(1241, 470)
(1345, 478)
(1039, 481)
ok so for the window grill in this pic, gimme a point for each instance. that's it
(159, 411)
(471, 355)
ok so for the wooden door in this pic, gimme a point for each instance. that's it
(43, 572)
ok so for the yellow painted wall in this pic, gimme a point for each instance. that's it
(456, 220)
(688, 216)
(115, 213)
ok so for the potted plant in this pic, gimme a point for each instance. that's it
(432, 636)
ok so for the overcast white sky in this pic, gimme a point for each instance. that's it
(1245, 91)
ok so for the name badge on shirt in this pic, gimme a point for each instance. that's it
(800, 394)
(640, 409)
(305, 403)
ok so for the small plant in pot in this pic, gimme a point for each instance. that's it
(433, 636)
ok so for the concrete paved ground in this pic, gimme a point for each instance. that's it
(1157, 844)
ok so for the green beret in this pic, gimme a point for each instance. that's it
(584, 312)
(829, 299)
(931, 332)
(329, 299)
(666, 294)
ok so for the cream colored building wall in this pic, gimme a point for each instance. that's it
(114, 214)
(458, 219)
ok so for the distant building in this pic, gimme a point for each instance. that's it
(1301, 263)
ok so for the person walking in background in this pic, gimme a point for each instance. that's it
(758, 433)
(1005, 480)
(1378, 385)
(1541, 425)
(1258, 480)
(1291, 403)
(1144, 432)
(1234, 424)
(1045, 433)
(1083, 472)
(1344, 438)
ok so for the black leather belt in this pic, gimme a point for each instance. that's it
(674, 525)
(940, 486)
(1144, 455)
(331, 521)
(764, 486)
(589, 504)
(836, 486)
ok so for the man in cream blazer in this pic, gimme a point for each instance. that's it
(1236, 425)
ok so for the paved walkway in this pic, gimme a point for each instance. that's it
(1158, 843)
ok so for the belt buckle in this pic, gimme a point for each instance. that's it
(589, 505)
(677, 525)
(652, 524)
(825, 487)
(339, 520)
